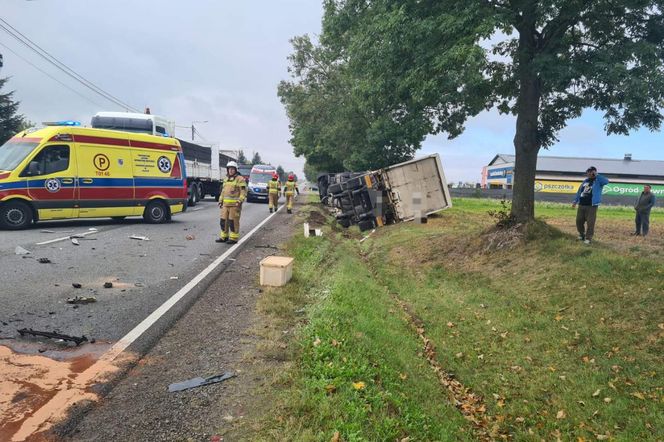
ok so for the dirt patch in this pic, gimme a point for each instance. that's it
(316, 219)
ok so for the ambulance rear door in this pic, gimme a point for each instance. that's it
(106, 181)
(51, 181)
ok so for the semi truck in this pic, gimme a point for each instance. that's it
(203, 164)
(402, 192)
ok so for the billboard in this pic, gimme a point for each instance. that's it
(620, 189)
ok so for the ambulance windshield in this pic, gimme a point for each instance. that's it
(13, 152)
(260, 177)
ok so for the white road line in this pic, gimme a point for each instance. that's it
(64, 238)
(148, 322)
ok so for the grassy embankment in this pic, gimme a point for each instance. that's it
(401, 335)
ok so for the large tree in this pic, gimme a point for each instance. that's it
(332, 124)
(256, 159)
(434, 63)
(10, 121)
(241, 158)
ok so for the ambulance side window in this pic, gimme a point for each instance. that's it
(160, 130)
(51, 159)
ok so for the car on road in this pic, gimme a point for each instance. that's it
(65, 171)
(258, 179)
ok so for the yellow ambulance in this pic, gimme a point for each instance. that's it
(64, 171)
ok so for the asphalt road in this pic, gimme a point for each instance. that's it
(143, 273)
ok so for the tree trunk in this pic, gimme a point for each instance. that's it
(526, 142)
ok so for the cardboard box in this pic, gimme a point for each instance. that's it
(276, 271)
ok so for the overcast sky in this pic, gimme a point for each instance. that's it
(221, 61)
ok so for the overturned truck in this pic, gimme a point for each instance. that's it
(402, 192)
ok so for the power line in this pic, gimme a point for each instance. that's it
(50, 76)
(16, 34)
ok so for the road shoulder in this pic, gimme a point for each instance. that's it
(213, 337)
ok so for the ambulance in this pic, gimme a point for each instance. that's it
(65, 171)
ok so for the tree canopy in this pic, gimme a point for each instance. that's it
(282, 173)
(11, 122)
(256, 159)
(395, 71)
(241, 158)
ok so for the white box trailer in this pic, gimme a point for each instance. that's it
(402, 192)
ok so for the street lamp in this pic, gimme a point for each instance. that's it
(193, 129)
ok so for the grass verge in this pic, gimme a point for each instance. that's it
(560, 341)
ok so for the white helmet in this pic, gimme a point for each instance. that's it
(231, 164)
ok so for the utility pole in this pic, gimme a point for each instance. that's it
(193, 128)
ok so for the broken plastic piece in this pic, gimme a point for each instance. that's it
(311, 232)
(76, 285)
(76, 339)
(21, 251)
(75, 241)
(139, 238)
(44, 261)
(108, 285)
(81, 300)
(48, 231)
(199, 382)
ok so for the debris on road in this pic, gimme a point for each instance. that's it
(81, 300)
(76, 285)
(139, 238)
(75, 241)
(44, 261)
(108, 285)
(267, 246)
(199, 382)
(175, 277)
(21, 251)
(190, 237)
(78, 340)
(48, 231)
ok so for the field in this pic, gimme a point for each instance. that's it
(428, 332)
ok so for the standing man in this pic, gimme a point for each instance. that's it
(274, 192)
(289, 189)
(645, 202)
(588, 197)
(233, 193)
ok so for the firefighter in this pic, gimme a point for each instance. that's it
(233, 193)
(274, 192)
(289, 189)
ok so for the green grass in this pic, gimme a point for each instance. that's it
(536, 331)
(553, 210)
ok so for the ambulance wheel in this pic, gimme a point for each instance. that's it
(155, 213)
(15, 215)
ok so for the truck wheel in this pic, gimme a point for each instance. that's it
(334, 189)
(155, 213)
(201, 194)
(193, 194)
(366, 225)
(15, 215)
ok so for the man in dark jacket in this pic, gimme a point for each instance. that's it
(645, 202)
(588, 197)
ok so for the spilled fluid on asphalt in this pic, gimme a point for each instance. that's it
(37, 389)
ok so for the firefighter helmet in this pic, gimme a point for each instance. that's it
(231, 164)
(275, 176)
(291, 177)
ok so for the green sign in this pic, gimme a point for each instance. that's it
(627, 189)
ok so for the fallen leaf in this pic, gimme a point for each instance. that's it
(503, 335)
(581, 403)
(450, 324)
(597, 392)
(607, 400)
(501, 403)
(359, 385)
(335, 343)
(336, 437)
(403, 376)
(317, 342)
(330, 389)
(612, 386)
(459, 355)
(526, 339)
(580, 439)
(639, 396)
(558, 317)
(520, 420)
(601, 436)
(480, 357)
(561, 414)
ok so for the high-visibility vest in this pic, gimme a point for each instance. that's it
(274, 186)
(233, 191)
(290, 187)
